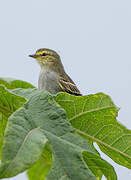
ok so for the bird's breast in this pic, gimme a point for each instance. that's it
(49, 81)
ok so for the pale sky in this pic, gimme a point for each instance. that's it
(93, 39)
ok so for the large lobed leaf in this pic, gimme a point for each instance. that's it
(94, 117)
(77, 110)
(41, 120)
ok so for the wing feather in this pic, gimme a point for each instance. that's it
(67, 85)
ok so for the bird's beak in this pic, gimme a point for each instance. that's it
(33, 56)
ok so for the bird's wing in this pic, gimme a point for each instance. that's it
(67, 85)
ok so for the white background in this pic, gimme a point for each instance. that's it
(92, 37)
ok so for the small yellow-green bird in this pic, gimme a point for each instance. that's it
(53, 77)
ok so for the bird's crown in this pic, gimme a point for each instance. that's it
(46, 52)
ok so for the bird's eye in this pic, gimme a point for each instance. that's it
(44, 54)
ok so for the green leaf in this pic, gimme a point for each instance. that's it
(40, 169)
(76, 144)
(94, 117)
(26, 93)
(12, 83)
(9, 102)
(3, 122)
(38, 120)
(99, 167)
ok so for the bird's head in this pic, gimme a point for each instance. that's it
(46, 57)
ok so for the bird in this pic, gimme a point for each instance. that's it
(52, 77)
